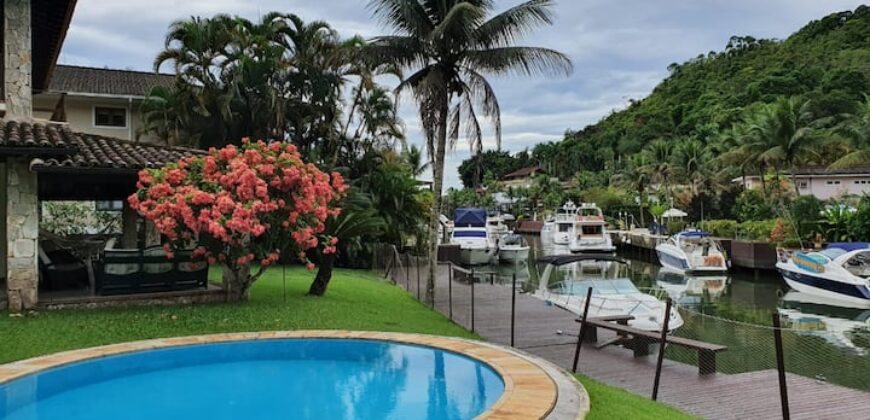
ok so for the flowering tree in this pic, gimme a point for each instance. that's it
(241, 205)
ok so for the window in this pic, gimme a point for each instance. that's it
(832, 182)
(109, 205)
(802, 185)
(110, 117)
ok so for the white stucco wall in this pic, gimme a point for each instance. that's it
(825, 187)
(80, 114)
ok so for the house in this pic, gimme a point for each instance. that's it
(821, 182)
(43, 160)
(521, 178)
(98, 101)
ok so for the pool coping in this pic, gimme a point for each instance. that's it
(530, 390)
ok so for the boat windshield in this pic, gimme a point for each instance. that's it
(620, 286)
(830, 253)
(564, 227)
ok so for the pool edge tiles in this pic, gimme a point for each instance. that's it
(529, 392)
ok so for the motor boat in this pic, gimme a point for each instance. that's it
(814, 315)
(512, 248)
(840, 272)
(566, 279)
(495, 227)
(693, 252)
(445, 229)
(561, 226)
(469, 232)
(590, 231)
(688, 289)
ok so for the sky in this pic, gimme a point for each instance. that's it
(620, 49)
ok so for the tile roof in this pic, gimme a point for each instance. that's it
(82, 152)
(524, 172)
(75, 79)
(823, 170)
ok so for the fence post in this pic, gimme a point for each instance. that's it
(407, 271)
(655, 392)
(417, 260)
(450, 289)
(582, 333)
(472, 299)
(780, 366)
(513, 306)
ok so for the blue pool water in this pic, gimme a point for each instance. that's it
(267, 379)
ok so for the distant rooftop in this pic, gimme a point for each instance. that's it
(103, 81)
(822, 170)
(524, 172)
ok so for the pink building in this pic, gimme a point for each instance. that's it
(822, 182)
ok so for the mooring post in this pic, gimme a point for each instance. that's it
(780, 366)
(582, 330)
(450, 289)
(513, 306)
(663, 342)
(472, 299)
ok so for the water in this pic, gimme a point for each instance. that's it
(821, 339)
(297, 378)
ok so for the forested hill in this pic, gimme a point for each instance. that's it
(827, 61)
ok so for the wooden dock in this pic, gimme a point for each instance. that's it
(718, 396)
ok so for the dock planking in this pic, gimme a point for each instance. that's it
(717, 396)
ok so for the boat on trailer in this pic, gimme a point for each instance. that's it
(840, 273)
(693, 252)
(566, 279)
(470, 233)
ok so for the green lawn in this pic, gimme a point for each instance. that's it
(356, 300)
(608, 402)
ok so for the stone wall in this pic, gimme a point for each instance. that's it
(22, 236)
(18, 59)
(145, 299)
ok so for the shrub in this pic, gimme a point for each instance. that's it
(675, 226)
(859, 228)
(722, 228)
(806, 211)
(756, 230)
(240, 205)
(752, 205)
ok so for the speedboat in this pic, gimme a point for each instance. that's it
(840, 272)
(566, 279)
(590, 231)
(470, 233)
(692, 252)
(563, 224)
(512, 248)
(495, 227)
(690, 290)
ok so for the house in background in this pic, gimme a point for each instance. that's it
(103, 102)
(521, 178)
(821, 182)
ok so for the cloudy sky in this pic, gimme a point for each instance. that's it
(620, 49)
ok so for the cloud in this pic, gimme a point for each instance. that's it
(620, 49)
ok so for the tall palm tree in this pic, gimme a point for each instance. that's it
(856, 128)
(659, 162)
(416, 161)
(691, 159)
(635, 177)
(784, 135)
(447, 46)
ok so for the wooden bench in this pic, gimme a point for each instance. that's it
(639, 340)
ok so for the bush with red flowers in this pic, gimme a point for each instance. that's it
(241, 205)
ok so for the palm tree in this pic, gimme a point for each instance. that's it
(447, 46)
(856, 128)
(691, 160)
(635, 177)
(415, 160)
(659, 164)
(783, 134)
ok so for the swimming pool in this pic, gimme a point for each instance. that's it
(278, 378)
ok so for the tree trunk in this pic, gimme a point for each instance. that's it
(324, 275)
(237, 283)
(797, 190)
(437, 184)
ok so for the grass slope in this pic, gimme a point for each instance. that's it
(356, 300)
(608, 402)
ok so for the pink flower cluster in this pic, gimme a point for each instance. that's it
(241, 204)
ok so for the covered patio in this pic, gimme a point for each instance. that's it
(47, 162)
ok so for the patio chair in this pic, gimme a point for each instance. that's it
(59, 267)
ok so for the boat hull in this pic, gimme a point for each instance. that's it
(681, 264)
(513, 254)
(818, 285)
(475, 256)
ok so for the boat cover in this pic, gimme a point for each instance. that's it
(694, 233)
(470, 217)
(850, 246)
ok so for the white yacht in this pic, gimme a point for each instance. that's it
(470, 233)
(495, 227)
(512, 248)
(693, 252)
(840, 272)
(560, 228)
(590, 231)
(566, 279)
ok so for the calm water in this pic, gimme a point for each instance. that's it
(304, 379)
(822, 340)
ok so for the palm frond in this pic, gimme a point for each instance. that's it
(526, 61)
(511, 25)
